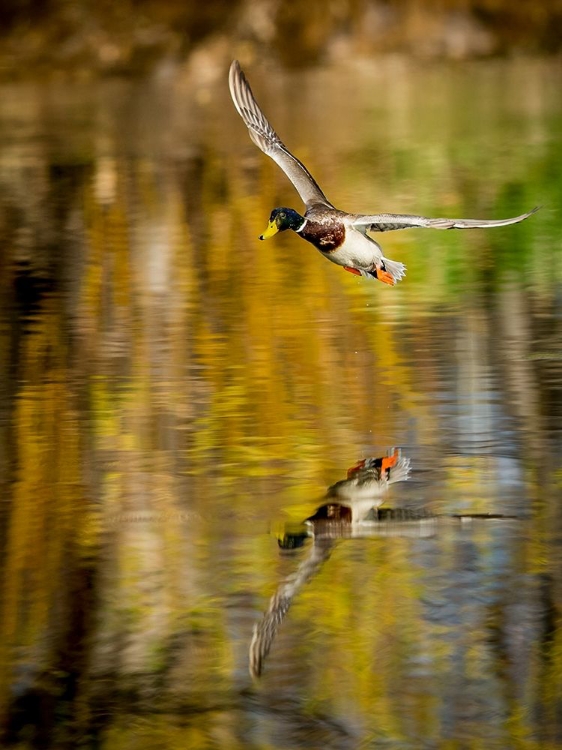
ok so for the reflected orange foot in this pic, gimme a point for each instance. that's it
(354, 469)
(354, 271)
(390, 461)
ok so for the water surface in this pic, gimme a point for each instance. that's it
(175, 395)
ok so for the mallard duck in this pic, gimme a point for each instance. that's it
(341, 237)
(347, 504)
(351, 500)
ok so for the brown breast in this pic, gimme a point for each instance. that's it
(326, 236)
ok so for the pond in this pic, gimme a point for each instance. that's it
(176, 398)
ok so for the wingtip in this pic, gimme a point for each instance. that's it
(233, 71)
(235, 76)
(529, 213)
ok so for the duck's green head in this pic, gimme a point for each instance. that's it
(282, 219)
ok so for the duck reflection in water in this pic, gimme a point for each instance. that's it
(351, 510)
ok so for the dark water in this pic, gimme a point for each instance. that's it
(176, 397)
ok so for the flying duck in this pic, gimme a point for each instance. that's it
(341, 237)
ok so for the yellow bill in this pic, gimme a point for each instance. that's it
(272, 229)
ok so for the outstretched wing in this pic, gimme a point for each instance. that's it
(387, 222)
(268, 141)
(266, 630)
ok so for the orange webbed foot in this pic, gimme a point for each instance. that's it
(384, 276)
(390, 461)
(354, 469)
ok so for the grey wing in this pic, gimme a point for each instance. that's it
(387, 222)
(266, 630)
(268, 141)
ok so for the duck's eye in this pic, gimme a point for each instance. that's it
(282, 215)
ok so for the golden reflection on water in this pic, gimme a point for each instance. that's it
(172, 388)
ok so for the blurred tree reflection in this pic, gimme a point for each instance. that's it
(169, 385)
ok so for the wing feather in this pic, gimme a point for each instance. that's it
(279, 604)
(388, 222)
(269, 142)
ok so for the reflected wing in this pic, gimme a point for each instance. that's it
(266, 630)
(387, 222)
(268, 141)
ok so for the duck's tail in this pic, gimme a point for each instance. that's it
(393, 468)
(394, 269)
(399, 471)
(389, 271)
